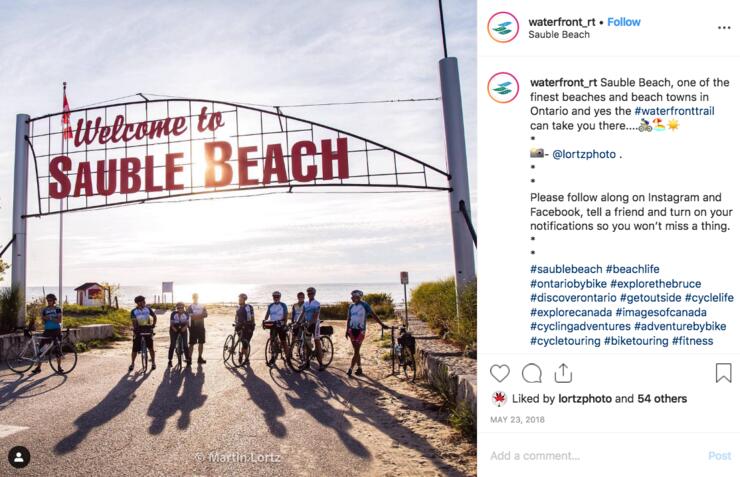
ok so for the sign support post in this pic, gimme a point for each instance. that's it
(20, 206)
(405, 281)
(457, 164)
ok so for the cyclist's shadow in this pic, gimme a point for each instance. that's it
(166, 401)
(265, 398)
(192, 395)
(308, 398)
(113, 404)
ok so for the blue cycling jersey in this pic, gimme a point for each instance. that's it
(277, 311)
(357, 315)
(311, 309)
(50, 315)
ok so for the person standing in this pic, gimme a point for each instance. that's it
(198, 314)
(244, 326)
(277, 313)
(357, 315)
(179, 324)
(143, 320)
(297, 308)
(52, 318)
(312, 314)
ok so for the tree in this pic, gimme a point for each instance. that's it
(111, 289)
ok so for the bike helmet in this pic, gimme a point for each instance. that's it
(51, 296)
(310, 290)
(276, 293)
(139, 299)
(357, 293)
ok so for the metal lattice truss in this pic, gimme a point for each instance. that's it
(150, 150)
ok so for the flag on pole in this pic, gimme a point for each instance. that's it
(66, 122)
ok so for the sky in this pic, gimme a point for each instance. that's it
(264, 52)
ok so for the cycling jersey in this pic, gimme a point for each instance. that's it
(197, 312)
(179, 319)
(143, 316)
(277, 311)
(245, 314)
(50, 315)
(311, 310)
(357, 315)
(296, 311)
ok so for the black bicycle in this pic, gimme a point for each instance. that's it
(62, 354)
(302, 347)
(180, 346)
(404, 351)
(233, 349)
(144, 350)
(273, 347)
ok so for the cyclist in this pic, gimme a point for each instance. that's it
(297, 308)
(357, 315)
(143, 320)
(311, 313)
(277, 312)
(52, 318)
(179, 324)
(244, 324)
(197, 314)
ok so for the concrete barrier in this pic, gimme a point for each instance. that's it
(83, 333)
(444, 365)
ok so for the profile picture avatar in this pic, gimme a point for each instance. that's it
(503, 27)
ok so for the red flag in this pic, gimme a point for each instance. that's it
(66, 122)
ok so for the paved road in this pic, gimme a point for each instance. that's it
(102, 420)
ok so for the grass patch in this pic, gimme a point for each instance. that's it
(386, 356)
(462, 419)
(435, 303)
(76, 316)
(385, 341)
(83, 346)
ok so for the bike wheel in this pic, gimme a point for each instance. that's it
(269, 351)
(144, 356)
(178, 350)
(20, 357)
(237, 358)
(327, 348)
(297, 358)
(409, 364)
(67, 354)
(228, 348)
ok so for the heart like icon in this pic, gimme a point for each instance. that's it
(500, 372)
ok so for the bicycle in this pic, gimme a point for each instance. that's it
(180, 345)
(233, 349)
(273, 347)
(302, 347)
(144, 350)
(23, 356)
(403, 350)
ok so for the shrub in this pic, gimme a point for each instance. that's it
(464, 329)
(338, 311)
(381, 303)
(434, 302)
(11, 300)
